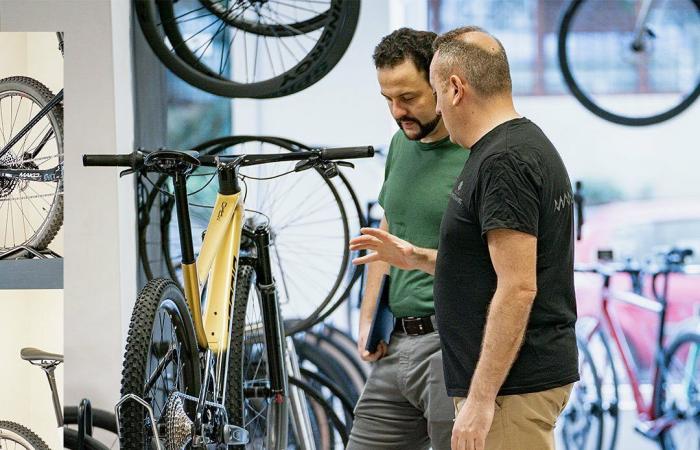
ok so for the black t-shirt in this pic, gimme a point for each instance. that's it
(514, 179)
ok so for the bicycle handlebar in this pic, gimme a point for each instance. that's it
(135, 160)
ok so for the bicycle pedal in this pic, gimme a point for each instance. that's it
(234, 435)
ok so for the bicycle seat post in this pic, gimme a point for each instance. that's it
(49, 369)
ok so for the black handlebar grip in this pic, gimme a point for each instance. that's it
(109, 160)
(347, 152)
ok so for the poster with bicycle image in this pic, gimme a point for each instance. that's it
(31, 145)
(31, 211)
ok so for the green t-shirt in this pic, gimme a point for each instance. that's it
(418, 179)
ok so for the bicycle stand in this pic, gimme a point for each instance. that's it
(84, 422)
(33, 253)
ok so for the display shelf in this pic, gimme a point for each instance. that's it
(31, 273)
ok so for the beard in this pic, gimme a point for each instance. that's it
(425, 128)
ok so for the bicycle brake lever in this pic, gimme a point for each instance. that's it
(126, 172)
(306, 164)
(345, 164)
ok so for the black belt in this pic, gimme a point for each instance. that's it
(414, 326)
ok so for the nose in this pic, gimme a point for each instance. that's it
(397, 110)
(437, 109)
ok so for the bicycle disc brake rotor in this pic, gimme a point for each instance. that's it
(178, 427)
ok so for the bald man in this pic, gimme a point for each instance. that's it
(504, 293)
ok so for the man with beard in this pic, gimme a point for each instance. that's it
(404, 404)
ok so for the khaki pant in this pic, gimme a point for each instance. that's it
(524, 421)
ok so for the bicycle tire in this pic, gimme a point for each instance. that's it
(100, 418)
(589, 329)
(320, 381)
(666, 438)
(334, 39)
(19, 434)
(43, 219)
(70, 440)
(311, 355)
(347, 363)
(245, 411)
(311, 392)
(590, 104)
(158, 296)
(313, 301)
(578, 407)
(347, 342)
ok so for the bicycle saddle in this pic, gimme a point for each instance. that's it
(34, 354)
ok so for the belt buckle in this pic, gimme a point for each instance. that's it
(412, 319)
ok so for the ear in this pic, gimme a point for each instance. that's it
(456, 88)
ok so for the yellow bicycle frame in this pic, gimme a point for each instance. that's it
(216, 265)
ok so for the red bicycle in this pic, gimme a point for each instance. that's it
(671, 414)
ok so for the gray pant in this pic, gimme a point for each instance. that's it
(404, 404)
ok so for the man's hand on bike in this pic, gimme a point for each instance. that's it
(382, 348)
(385, 247)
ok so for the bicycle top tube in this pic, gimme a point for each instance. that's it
(138, 160)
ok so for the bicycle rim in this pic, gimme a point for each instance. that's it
(31, 211)
(679, 394)
(161, 349)
(235, 50)
(626, 83)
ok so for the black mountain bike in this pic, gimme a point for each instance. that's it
(31, 165)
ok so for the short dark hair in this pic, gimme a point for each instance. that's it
(402, 44)
(486, 71)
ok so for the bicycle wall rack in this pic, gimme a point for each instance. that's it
(36, 269)
(32, 253)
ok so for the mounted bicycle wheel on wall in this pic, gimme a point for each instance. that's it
(307, 218)
(632, 62)
(249, 48)
(31, 210)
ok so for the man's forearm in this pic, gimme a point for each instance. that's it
(505, 327)
(425, 259)
(373, 282)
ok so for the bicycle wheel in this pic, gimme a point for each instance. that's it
(580, 425)
(249, 403)
(604, 361)
(31, 211)
(14, 435)
(329, 431)
(678, 394)
(161, 363)
(626, 80)
(235, 49)
(307, 218)
(70, 440)
(104, 420)
(318, 352)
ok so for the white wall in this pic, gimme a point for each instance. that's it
(34, 55)
(665, 157)
(30, 318)
(100, 243)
